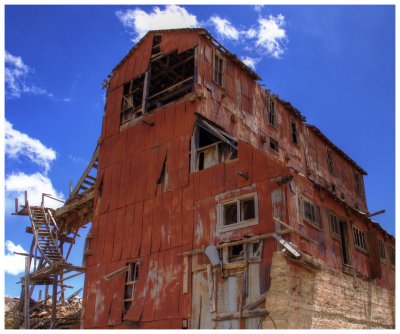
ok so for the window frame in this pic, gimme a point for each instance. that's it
(330, 162)
(359, 238)
(222, 227)
(277, 145)
(335, 235)
(218, 54)
(295, 132)
(392, 255)
(130, 283)
(382, 250)
(317, 223)
(272, 112)
(359, 187)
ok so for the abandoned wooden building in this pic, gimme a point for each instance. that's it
(216, 205)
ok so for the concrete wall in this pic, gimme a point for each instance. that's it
(302, 297)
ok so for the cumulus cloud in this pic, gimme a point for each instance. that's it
(35, 184)
(19, 144)
(272, 35)
(250, 62)
(14, 264)
(138, 22)
(16, 76)
(224, 28)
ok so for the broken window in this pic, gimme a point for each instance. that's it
(219, 69)
(381, 249)
(310, 212)
(241, 210)
(211, 146)
(132, 100)
(132, 277)
(360, 239)
(170, 78)
(156, 46)
(358, 183)
(331, 166)
(273, 144)
(254, 251)
(339, 231)
(293, 128)
(271, 112)
(392, 256)
(236, 253)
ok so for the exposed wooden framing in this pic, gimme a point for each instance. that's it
(238, 242)
(171, 88)
(74, 294)
(293, 229)
(255, 303)
(54, 303)
(115, 273)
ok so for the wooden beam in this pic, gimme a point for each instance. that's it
(115, 273)
(54, 303)
(262, 312)
(27, 294)
(255, 303)
(293, 229)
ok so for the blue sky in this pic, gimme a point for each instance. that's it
(334, 63)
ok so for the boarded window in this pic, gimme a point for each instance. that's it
(239, 211)
(381, 248)
(294, 133)
(132, 276)
(219, 69)
(331, 166)
(360, 239)
(211, 146)
(271, 111)
(273, 144)
(310, 212)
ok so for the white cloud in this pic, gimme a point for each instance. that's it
(139, 22)
(224, 28)
(15, 75)
(250, 33)
(35, 184)
(271, 35)
(250, 62)
(258, 8)
(14, 264)
(20, 144)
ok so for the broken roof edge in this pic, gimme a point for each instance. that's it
(202, 32)
(319, 133)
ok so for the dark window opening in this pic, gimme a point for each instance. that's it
(171, 77)
(132, 276)
(230, 214)
(162, 177)
(211, 146)
(311, 212)
(331, 166)
(219, 69)
(358, 184)
(273, 144)
(381, 248)
(271, 112)
(156, 45)
(293, 127)
(392, 256)
(236, 253)
(360, 239)
(333, 188)
(132, 100)
(247, 209)
(339, 230)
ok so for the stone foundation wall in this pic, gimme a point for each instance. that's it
(303, 294)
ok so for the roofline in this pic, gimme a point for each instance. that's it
(202, 32)
(319, 133)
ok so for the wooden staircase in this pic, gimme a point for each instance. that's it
(45, 232)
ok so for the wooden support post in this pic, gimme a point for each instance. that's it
(54, 304)
(46, 294)
(62, 273)
(26, 294)
(40, 294)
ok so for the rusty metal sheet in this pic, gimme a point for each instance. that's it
(124, 182)
(245, 155)
(117, 288)
(118, 235)
(231, 175)
(180, 114)
(141, 179)
(100, 295)
(157, 224)
(128, 231)
(145, 246)
(137, 230)
(187, 40)
(94, 230)
(151, 173)
(176, 218)
(90, 296)
(115, 182)
(172, 164)
(260, 166)
(165, 45)
(187, 217)
(109, 240)
(149, 304)
(218, 179)
(203, 184)
(183, 162)
(100, 238)
(164, 216)
(150, 132)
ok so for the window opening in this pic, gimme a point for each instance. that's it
(339, 230)
(331, 167)
(358, 183)
(273, 144)
(293, 127)
(392, 256)
(247, 209)
(360, 239)
(381, 248)
(311, 212)
(161, 178)
(236, 253)
(132, 100)
(239, 211)
(271, 112)
(132, 276)
(156, 46)
(219, 69)
(171, 77)
(211, 146)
